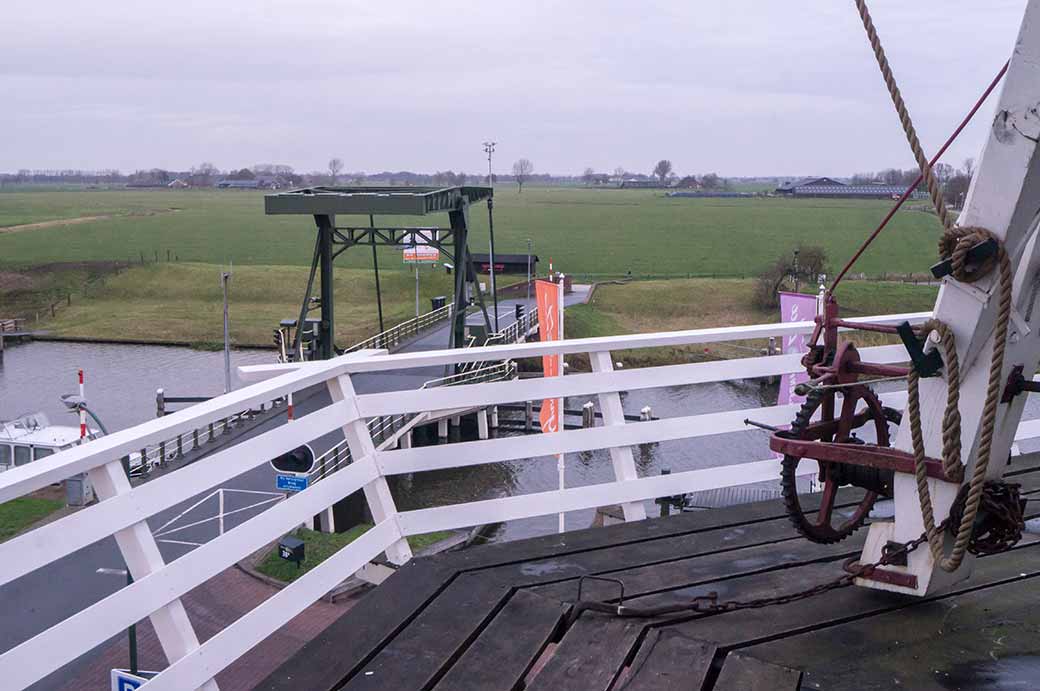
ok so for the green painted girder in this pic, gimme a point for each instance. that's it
(413, 201)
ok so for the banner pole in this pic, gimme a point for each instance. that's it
(560, 467)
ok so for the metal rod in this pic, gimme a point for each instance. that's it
(760, 425)
(225, 276)
(295, 350)
(375, 264)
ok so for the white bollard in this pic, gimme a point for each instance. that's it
(442, 428)
(646, 413)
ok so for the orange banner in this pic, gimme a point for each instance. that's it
(548, 297)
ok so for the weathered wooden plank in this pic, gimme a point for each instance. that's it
(590, 656)
(619, 536)
(748, 627)
(505, 650)
(419, 654)
(669, 660)
(742, 672)
(703, 569)
(336, 652)
(985, 638)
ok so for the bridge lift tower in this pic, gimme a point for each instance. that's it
(326, 203)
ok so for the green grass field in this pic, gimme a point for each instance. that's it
(585, 231)
(646, 306)
(588, 233)
(18, 514)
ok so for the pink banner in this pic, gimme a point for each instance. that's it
(795, 307)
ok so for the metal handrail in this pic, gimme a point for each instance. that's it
(396, 334)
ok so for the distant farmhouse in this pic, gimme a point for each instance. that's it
(644, 184)
(261, 182)
(829, 187)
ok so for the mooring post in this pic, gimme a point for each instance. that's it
(195, 438)
(160, 403)
(646, 413)
(162, 453)
(210, 432)
(482, 423)
(180, 447)
(442, 428)
(588, 414)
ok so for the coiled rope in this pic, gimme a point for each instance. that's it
(953, 245)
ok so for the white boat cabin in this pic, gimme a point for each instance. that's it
(32, 437)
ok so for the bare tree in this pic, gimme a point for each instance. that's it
(943, 172)
(588, 176)
(620, 173)
(522, 170)
(663, 168)
(335, 166)
(969, 167)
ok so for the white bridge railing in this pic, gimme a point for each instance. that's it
(123, 510)
(396, 335)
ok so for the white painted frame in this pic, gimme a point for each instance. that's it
(124, 510)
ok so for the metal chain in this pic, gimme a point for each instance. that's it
(709, 604)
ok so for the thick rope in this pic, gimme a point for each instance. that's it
(954, 245)
(934, 191)
(951, 452)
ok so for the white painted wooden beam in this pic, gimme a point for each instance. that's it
(359, 439)
(1003, 199)
(583, 384)
(39, 547)
(50, 650)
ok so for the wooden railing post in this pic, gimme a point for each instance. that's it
(142, 557)
(377, 492)
(613, 414)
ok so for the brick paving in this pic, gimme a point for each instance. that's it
(212, 607)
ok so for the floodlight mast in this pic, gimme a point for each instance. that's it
(489, 148)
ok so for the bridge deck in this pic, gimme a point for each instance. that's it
(494, 617)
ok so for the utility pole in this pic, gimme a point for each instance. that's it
(489, 148)
(225, 276)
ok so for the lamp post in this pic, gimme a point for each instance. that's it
(489, 148)
(225, 276)
(528, 302)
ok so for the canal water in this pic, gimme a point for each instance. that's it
(122, 380)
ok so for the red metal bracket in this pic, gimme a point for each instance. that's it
(869, 455)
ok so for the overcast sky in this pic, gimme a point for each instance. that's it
(741, 87)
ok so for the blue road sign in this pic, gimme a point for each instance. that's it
(123, 680)
(290, 483)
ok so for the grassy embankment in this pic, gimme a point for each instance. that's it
(647, 306)
(18, 514)
(591, 234)
(182, 302)
(321, 546)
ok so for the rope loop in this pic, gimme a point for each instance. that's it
(954, 245)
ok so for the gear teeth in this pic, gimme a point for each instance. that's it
(789, 482)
